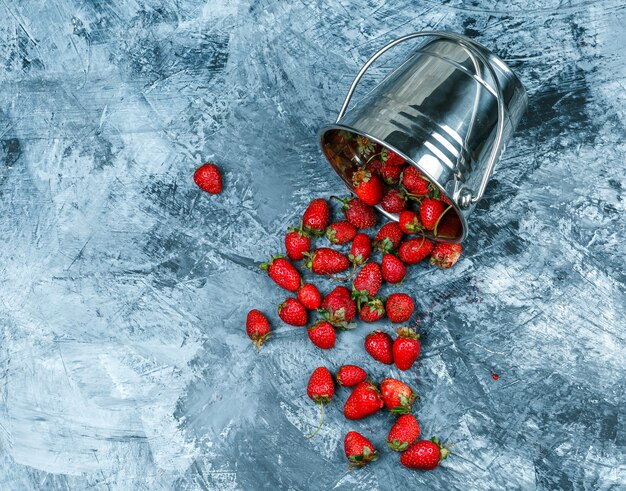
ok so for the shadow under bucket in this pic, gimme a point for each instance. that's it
(447, 110)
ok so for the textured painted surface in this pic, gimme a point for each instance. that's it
(123, 289)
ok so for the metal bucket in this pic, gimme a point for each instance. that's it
(448, 110)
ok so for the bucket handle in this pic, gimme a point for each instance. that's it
(466, 197)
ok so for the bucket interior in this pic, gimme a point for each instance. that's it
(348, 151)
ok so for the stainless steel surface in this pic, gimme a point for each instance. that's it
(448, 109)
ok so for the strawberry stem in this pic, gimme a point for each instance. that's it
(319, 426)
(439, 219)
(344, 278)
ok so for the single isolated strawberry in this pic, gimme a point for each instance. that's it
(339, 308)
(398, 396)
(367, 283)
(316, 217)
(358, 213)
(257, 327)
(350, 375)
(364, 400)
(399, 307)
(341, 232)
(413, 251)
(320, 389)
(322, 334)
(293, 312)
(297, 243)
(394, 201)
(414, 181)
(360, 250)
(424, 455)
(390, 174)
(394, 270)
(309, 296)
(430, 212)
(445, 255)
(372, 311)
(326, 261)
(359, 450)
(406, 348)
(388, 237)
(392, 158)
(283, 273)
(208, 178)
(368, 187)
(410, 222)
(380, 346)
(403, 433)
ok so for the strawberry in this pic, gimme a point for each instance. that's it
(350, 375)
(359, 450)
(410, 222)
(326, 261)
(380, 346)
(292, 312)
(368, 187)
(208, 178)
(364, 400)
(297, 243)
(341, 232)
(338, 308)
(374, 166)
(406, 348)
(430, 212)
(258, 328)
(394, 201)
(358, 213)
(372, 311)
(390, 174)
(320, 389)
(413, 251)
(445, 255)
(361, 250)
(393, 269)
(367, 283)
(398, 396)
(414, 181)
(283, 273)
(322, 335)
(316, 217)
(403, 433)
(388, 237)
(392, 158)
(424, 455)
(309, 296)
(399, 307)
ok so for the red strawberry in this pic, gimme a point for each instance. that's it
(283, 273)
(403, 433)
(424, 455)
(364, 400)
(316, 217)
(380, 346)
(392, 158)
(399, 307)
(320, 389)
(208, 178)
(292, 312)
(445, 255)
(339, 309)
(391, 174)
(359, 450)
(341, 232)
(361, 250)
(397, 395)
(297, 243)
(413, 251)
(406, 348)
(393, 269)
(350, 375)
(410, 222)
(258, 328)
(358, 213)
(414, 181)
(372, 311)
(430, 211)
(368, 187)
(367, 283)
(309, 296)
(327, 261)
(322, 334)
(388, 237)
(374, 166)
(394, 201)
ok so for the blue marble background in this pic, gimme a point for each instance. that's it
(123, 288)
